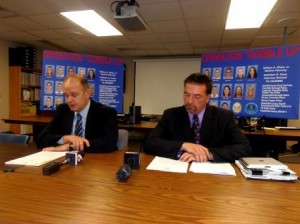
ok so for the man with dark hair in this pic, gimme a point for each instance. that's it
(81, 122)
(198, 131)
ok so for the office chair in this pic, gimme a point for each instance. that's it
(122, 139)
(14, 138)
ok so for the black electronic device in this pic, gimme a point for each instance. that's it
(135, 114)
(72, 158)
(123, 173)
(132, 159)
(128, 16)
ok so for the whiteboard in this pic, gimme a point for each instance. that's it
(159, 82)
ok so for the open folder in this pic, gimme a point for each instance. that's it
(37, 159)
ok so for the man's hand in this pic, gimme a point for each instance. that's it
(78, 142)
(59, 148)
(195, 152)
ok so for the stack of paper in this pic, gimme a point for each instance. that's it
(171, 165)
(37, 159)
(168, 165)
(213, 168)
(278, 171)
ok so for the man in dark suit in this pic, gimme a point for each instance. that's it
(99, 128)
(220, 138)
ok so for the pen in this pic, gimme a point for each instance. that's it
(8, 170)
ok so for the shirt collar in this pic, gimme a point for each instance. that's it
(200, 116)
(85, 110)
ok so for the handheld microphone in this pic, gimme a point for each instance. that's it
(72, 158)
(131, 161)
(123, 173)
(53, 167)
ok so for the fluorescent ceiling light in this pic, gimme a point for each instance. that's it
(92, 22)
(248, 13)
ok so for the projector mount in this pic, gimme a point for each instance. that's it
(120, 4)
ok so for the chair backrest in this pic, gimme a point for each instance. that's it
(122, 139)
(14, 138)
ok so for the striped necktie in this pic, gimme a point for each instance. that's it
(78, 125)
(196, 128)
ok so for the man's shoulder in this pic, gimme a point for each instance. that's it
(178, 109)
(63, 108)
(219, 111)
(99, 106)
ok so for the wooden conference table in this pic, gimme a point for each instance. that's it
(89, 193)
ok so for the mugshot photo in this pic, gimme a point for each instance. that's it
(71, 70)
(58, 100)
(251, 91)
(238, 91)
(48, 102)
(206, 71)
(240, 72)
(48, 87)
(213, 103)
(60, 71)
(81, 71)
(217, 73)
(215, 91)
(228, 73)
(49, 71)
(226, 93)
(252, 72)
(225, 104)
(59, 87)
(91, 73)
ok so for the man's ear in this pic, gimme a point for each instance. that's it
(208, 98)
(88, 91)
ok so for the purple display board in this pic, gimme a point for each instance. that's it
(105, 76)
(256, 82)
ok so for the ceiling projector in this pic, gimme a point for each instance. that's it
(130, 19)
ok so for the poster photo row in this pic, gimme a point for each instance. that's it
(256, 82)
(104, 75)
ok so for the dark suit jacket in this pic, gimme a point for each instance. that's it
(219, 133)
(101, 128)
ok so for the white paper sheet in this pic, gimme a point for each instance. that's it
(168, 165)
(37, 159)
(213, 168)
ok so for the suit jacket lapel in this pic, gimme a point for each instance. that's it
(69, 121)
(185, 126)
(206, 126)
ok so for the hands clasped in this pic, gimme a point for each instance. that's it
(195, 152)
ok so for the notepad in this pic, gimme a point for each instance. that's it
(37, 159)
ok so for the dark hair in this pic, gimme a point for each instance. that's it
(200, 79)
(255, 72)
(227, 86)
